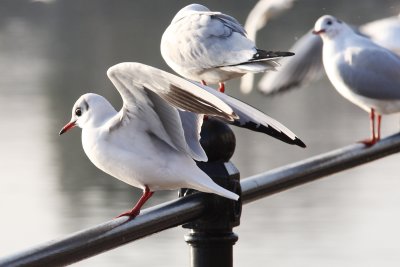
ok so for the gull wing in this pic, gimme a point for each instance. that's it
(262, 12)
(304, 67)
(372, 71)
(255, 120)
(192, 123)
(156, 96)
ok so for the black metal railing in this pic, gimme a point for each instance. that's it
(120, 231)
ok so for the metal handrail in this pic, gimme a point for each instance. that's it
(120, 231)
(316, 167)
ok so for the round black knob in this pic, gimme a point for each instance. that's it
(217, 140)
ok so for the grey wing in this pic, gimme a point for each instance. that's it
(130, 77)
(230, 23)
(182, 127)
(162, 120)
(221, 42)
(262, 12)
(255, 120)
(156, 96)
(374, 72)
(298, 70)
(192, 123)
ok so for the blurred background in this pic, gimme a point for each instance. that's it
(51, 52)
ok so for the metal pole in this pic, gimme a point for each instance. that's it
(211, 238)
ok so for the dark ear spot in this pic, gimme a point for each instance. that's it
(86, 105)
(339, 21)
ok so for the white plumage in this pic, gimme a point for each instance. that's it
(212, 47)
(152, 141)
(363, 72)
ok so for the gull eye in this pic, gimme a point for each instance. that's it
(329, 22)
(78, 112)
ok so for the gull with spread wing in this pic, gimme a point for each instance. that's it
(152, 141)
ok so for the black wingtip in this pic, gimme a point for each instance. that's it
(300, 143)
(261, 54)
(271, 132)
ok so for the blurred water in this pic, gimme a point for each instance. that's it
(50, 54)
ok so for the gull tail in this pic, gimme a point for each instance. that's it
(260, 62)
(207, 185)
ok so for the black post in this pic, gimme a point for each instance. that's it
(211, 238)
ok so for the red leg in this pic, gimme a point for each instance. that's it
(373, 139)
(221, 87)
(378, 134)
(136, 209)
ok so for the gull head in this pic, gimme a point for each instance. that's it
(188, 10)
(90, 110)
(328, 26)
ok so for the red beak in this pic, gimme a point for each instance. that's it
(318, 32)
(68, 127)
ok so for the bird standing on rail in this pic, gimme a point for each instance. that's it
(361, 71)
(152, 141)
(212, 47)
(307, 65)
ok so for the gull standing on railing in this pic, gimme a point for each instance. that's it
(361, 71)
(152, 141)
(307, 65)
(212, 47)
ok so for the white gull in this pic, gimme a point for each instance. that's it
(306, 66)
(212, 47)
(152, 141)
(361, 71)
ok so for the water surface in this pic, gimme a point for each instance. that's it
(50, 54)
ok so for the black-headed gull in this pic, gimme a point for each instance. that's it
(212, 47)
(307, 65)
(360, 70)
(152, 141)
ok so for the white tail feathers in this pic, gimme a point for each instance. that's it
(209, 186)
(226, 193)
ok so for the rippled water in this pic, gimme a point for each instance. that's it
(50, 54)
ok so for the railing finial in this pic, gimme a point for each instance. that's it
(211, 238)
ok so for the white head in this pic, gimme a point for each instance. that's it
(329, 27)
(190, 9)
(90, 110)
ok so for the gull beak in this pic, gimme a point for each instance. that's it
(318, 32)
(68, 127)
